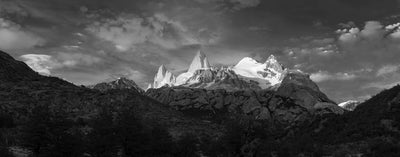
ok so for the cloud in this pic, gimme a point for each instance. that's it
(392, 26)
(241, 4)
(388, 81)
(373, 31)
(44, 64)
(349, 36)
(39, 62)
(322, 76)
(10, 7)
(233, 5)
(375, 44)
(76, 59)
(388, 69)
(127, 32)
(349, 24)
(257, 28)
(13, 37)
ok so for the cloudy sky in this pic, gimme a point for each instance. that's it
(351, 48)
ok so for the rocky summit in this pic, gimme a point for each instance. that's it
(266, 91)
(120, 83)
(247, 74)
(350, 105)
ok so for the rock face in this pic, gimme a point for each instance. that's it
(163, 78)
(349, 105)
(299, 87)
(120, 83)
(263, 90)
(294, 102)
(248, 73)
(200, 62)
(223, 78)
(261, 104)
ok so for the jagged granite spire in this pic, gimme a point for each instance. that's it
(272, 63)
(163, 77)
(200, 61)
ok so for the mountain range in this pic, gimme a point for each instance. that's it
(249, 109)
(248, 73)
(262, 90)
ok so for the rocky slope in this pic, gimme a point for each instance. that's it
(265, 91)
(296, 100)
(120, 83)
(22, 89)
(372, 129)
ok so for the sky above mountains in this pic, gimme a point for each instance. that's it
(351, 48)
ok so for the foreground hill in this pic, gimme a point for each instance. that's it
(22, 90)
(372, 129)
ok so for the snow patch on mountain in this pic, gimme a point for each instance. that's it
(248, 73)
(200, 61)
(162, 78)
(271, 71)
(349, 105)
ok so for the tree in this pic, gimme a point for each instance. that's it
(102, 138)
(160, 142)
(36, 130)
(186, 146)
(130, 133)
(48, 133)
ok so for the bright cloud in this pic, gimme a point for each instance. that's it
(322, 76)
(129, 31)
(44, 64)
(39, 62)
(388, 69)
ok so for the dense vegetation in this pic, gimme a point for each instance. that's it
(118, 127)
(53, 134)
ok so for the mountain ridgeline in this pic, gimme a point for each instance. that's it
(265, 91)
(251, 109)
(120, 83)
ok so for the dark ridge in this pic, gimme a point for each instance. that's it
(13, 70)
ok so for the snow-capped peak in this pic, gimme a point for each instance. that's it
(267, 74)
(199, 62)
(161, 73)
(271, 59)
(163, 77)
(271, 71)
(349, 105)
